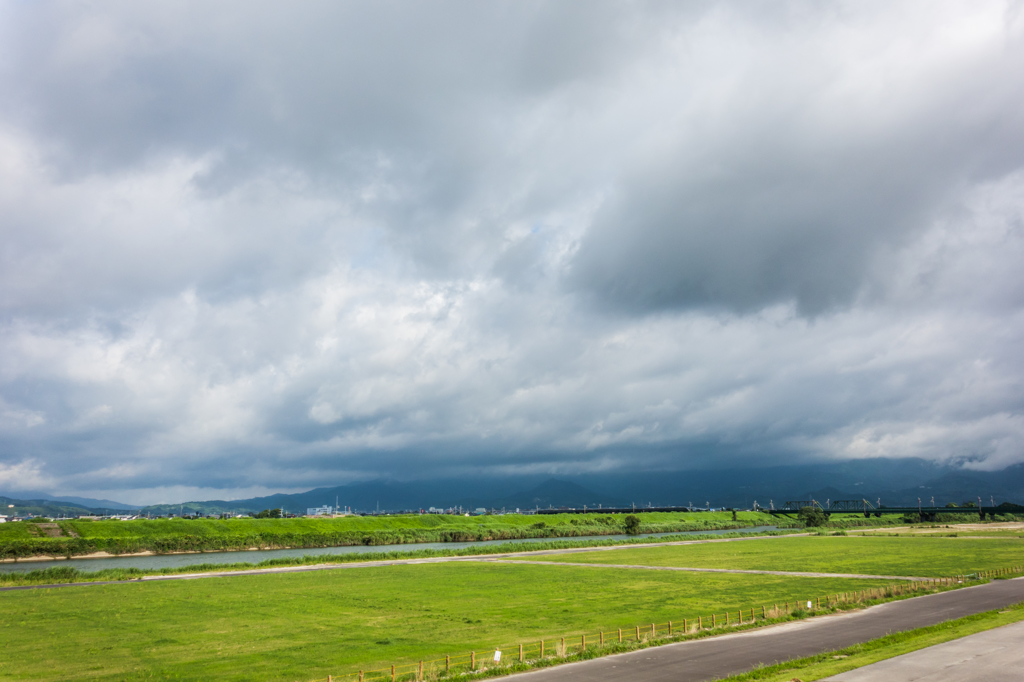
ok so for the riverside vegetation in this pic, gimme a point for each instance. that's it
(81, 537)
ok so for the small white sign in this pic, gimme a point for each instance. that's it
(497, 656)
(809, 605)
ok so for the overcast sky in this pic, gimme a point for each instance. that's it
(262, 247)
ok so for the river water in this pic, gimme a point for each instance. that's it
(255, 556)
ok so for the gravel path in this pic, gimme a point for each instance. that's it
(802, 574)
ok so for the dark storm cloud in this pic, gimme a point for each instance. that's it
(791, 190)
(249, 247)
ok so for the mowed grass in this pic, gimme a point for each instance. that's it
(907, 556)
(308, 625)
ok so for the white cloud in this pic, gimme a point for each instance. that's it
(292, 248)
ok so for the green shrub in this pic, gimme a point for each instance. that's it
(632, 524)
(812, 517)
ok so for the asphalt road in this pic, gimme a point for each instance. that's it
(991, 656)
(717, 657)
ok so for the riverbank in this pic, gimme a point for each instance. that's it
(81, 538)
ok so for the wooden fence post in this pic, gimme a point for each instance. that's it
(421, 671)
(542, 648)
(393, 673)
(360, 676)
(583, 642)
(670, 628)
(563, 647)
(472, 660)
(602, 637)
(700, 622)
(447, 662)
(520, 653)
(638, 633)
(654, 630)
(620, 635)
(714, 621)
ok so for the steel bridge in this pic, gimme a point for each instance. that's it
(793, 507)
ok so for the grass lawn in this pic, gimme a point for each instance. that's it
(911, 556)
(307, 625)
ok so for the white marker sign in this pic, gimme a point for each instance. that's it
(497, 656)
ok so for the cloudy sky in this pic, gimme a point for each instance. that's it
(258, 247)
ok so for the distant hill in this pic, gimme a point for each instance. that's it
(555, 493)
(81, 501)
(896, 482)
(388, 496)
(40, 508)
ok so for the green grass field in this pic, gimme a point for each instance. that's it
(302, 626)
(910, 556)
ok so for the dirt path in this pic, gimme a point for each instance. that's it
(801, 574)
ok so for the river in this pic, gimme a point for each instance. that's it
(158, 561)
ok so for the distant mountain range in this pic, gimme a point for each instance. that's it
(87, 502)
(895, 482)
(49, 507)
(864, 479)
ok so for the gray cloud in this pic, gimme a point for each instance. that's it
(248, 248)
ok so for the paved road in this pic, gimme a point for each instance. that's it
(800, 574)
(992, 656)
(717, 657)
